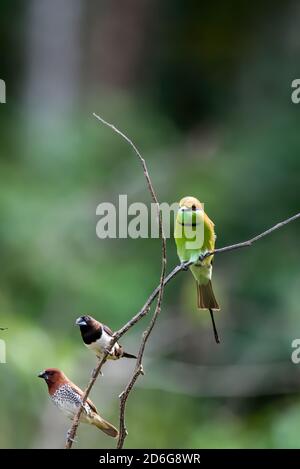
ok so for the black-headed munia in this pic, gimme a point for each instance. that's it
(97, 337)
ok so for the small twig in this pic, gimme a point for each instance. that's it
(97, 370)
(143, 162)
(248, 243)
(139, 367)
(145, 309)
(75, 424)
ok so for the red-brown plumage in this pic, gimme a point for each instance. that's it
(68, 398)
(56, 378)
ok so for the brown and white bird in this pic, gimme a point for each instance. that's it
(97, 337)
(68, 398)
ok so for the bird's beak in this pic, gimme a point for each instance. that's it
(43, 375)
(80, 322)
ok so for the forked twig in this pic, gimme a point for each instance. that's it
(164, 280)
(138, 369)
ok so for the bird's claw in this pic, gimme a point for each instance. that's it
(184, 266)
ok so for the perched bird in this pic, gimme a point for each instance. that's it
(97, 337)
(194, 236)
(68, 398)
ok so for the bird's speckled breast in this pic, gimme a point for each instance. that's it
(68, 401)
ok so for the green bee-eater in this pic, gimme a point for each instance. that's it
(194, 236)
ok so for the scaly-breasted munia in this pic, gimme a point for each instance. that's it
(97, 337)
(68, 398)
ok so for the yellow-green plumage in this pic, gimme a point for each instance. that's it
(194, 236)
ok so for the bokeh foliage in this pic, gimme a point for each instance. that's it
(210, 109)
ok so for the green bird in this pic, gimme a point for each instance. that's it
(194, 236)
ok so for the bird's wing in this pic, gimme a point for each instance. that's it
(107, 330)
(208, 220)
(80, 392)
(209, 233)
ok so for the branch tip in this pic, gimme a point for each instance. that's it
(158, 292)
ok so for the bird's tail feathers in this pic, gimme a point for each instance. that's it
(206, 298)
(105, 426)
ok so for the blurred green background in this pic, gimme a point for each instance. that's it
(204, 89)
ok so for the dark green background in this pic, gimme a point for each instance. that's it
(204, 89)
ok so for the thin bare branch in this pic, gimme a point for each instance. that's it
(143, 162)
(146, 308)
(139, 363)
(96, 372)
(139, 368)
(248, 243)
(184, 267)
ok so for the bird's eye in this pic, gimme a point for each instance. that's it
(194, 208)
